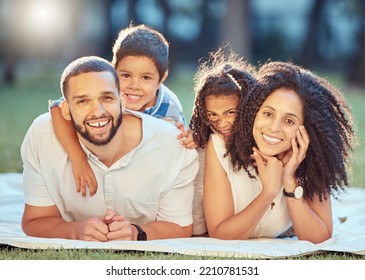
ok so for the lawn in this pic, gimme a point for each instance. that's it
(20, 104)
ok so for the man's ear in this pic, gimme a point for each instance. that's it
(164, 77)
(65, 110)
(122, 101)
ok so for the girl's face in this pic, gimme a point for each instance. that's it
(277, 121)
(221, 112)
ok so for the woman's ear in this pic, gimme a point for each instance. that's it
(65, 110)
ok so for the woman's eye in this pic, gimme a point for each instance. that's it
(290, 121)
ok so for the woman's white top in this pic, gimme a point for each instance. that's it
(276, 219)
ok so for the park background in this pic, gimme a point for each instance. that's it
(38, 38)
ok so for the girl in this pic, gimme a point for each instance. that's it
(221, 83)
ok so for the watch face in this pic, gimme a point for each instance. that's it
(298, 192)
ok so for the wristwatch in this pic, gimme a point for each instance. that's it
(298, 193)
(142, 236)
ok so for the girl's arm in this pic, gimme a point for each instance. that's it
(66, 134)
(219, 206)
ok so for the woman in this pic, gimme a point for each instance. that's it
(287, 156)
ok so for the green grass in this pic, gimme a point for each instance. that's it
(9, 253)
(20, 104)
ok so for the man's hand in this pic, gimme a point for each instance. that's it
(119, 228)
(93, 229)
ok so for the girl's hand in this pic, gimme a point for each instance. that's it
(293, 158)
(270, 170)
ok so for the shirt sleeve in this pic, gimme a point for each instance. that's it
(55, 103)
(35, 190)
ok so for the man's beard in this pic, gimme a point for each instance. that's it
(94, 140)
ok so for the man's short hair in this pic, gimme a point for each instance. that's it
(86, 64)
(142, 40)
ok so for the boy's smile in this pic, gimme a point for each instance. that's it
(139, 81)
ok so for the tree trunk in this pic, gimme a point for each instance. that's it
(309, 53)
(356, 73)
(235, 27)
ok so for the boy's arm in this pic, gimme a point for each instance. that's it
(66, 134)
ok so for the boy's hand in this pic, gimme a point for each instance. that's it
(84, 177)
(185, 137)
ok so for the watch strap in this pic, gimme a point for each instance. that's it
(288, 194)
(141, 236)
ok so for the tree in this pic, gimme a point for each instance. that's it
(309, 54)
(357, 62)
(235, 27)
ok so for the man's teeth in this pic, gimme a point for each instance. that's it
(271, 139)
(98, 124)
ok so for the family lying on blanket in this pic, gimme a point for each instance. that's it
(114, 159)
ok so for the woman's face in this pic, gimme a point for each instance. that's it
(221, 112)
(277, 122)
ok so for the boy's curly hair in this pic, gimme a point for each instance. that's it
(212, 79)
(327, 119)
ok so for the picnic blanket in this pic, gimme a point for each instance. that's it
(348, 236)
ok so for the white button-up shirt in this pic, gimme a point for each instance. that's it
(153, 182)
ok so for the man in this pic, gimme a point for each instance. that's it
(145, 176)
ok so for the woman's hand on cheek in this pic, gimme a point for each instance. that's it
(294, 157)
(270, 171)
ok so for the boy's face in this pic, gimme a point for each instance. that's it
(139, 81)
